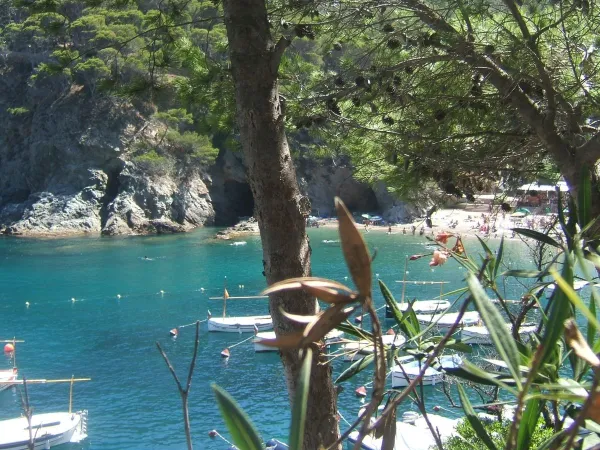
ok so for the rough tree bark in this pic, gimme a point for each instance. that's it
(279, 207)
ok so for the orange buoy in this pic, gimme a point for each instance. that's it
(174, 332)
(212, 433)
(9, 348)
(225, 353)
(361, 391)
(390, 332)
(358, 319)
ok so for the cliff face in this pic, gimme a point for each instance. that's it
(67, 166)
(66, 163)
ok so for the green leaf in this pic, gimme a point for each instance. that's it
(528, 423)
(560, 310)
(243, 433)
(407, 322)
(355, 368)
(499, 255)
(474, 420)
(355, 331)
(501, 337)
(541, 237)
(524, 273)
(572, 296)
(584, 198)
(300, 402)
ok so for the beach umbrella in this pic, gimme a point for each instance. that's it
(523, 210)
(518, 214)
(365, 216)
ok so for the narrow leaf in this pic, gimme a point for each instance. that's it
(474, 420)
(499, 256)
(541, 237)
(574, 298)
(356, 367)
(300, 402)
(407, 322)
(499, 333)
(331, 318)
(355, 250)
(524, 273)
(296, 283)
(579, 345)
(584, 198)
(560, 310)
(328, 295)
(243, 433)
(528, 423)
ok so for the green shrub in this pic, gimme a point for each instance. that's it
(154, 164)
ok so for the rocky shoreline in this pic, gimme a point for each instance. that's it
(244, 228)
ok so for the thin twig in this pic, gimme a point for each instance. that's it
(184, 392)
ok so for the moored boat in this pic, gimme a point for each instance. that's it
(443, 322)
(354, 350)
(333, 337)
(412, 433)
(7, 375)
(480, 335)
(241, 324)
(48, 430)
(577, 285)
(407, 372)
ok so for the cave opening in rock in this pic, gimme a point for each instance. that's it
(240, 202)
(112, 190)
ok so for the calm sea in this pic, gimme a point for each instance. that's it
(76, 325)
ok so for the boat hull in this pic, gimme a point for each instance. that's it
(49, 430)
(7, 375)
(333, 337)
(446, 321)
(403, 376)
(479, 335)
(247, 324)
(420, 307)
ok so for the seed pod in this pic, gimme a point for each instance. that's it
(388, 28)
(393, 43)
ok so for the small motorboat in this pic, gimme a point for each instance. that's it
(443, 322)
(420, 307)
(331, 338)
(480, 335)
(412, 433)
(355, 350)
(48, 430)
(407, 372)
(7, 375)
(242, 324)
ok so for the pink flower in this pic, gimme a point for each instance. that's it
(443, 237)
(438, 258)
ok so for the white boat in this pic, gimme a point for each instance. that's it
(7, 375)
(412, 433)
(242, 324)
(577, 285)
(355, 350)
(425, 306)
(333, 337)
(443, 322)
(403, 375)
(48, 430)
(480, 335)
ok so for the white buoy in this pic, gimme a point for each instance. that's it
(239, 286)
(377, 275)
(345, 278)
(73, 299)
(118, 295)
(27, 304)
(162, 292)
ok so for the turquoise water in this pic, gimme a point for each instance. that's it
(132, 401)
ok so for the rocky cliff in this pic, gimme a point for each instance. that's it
(68, 165)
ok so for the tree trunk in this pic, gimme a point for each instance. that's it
(279, 207)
